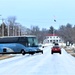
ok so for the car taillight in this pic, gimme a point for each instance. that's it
(53, 48)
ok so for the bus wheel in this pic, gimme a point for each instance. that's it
(42, 52)
(23, 52)
(32, 53)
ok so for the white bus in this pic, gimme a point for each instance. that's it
(27, 44)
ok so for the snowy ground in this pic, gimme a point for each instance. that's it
(39, 64)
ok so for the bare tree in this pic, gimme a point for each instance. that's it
(11, 21)
(28, 31)
(4, 29)
(66, 32)
(35, 30)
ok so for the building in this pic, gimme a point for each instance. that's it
(52, 38)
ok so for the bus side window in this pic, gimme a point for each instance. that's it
(23, 40)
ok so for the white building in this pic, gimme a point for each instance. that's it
(51, 38)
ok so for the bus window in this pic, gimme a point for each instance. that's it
(8, 40)
(23, 40)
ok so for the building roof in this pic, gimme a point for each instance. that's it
(51, 35)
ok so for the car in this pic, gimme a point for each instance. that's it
(57, 44)
(40, 46)
(55, 49)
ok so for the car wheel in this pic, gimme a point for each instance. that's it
(51, 52)
(23, 52)
(60, 52)
(42, 52)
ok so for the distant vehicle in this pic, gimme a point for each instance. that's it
(56, 44)
(27, 44)
(56, 49)
(40, 46)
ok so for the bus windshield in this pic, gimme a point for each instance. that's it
(32, 42)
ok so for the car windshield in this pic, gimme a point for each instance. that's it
(55, 46)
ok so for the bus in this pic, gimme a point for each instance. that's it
(27, 44)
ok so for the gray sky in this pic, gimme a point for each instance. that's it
(39, 12)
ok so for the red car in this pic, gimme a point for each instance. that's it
(56, 49)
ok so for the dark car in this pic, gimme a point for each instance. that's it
(56, 49)
(56, 44)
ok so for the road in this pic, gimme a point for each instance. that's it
(39, 64)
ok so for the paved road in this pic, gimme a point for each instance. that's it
(39, 64)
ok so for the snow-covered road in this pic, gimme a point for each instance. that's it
(39, 64)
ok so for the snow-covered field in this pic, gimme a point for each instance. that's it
(39, 64)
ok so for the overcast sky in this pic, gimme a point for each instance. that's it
(39, 12)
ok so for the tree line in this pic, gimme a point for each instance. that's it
(66, 32)
(11, 28)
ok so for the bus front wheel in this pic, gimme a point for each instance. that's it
(23, 52)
